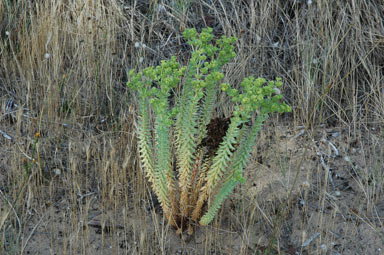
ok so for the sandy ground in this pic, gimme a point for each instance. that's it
(319, 194)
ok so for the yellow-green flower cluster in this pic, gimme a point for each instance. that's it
(257, 94)
(186, 118)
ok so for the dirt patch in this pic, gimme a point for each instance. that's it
(305, 194)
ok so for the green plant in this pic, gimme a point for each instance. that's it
(185, 179)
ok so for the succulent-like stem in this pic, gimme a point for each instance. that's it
(186, 178)
(238, 162)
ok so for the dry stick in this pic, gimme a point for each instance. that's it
(32, 232)
(2, 221)
(5, 135)
(328, 170)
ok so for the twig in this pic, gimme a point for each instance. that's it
(13, 209)
(334, 149)
(328, 169)
(309, 240)
(6, 136)
(32, 232)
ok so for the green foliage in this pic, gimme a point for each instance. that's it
(170, 157)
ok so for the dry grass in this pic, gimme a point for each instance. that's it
(63, 69)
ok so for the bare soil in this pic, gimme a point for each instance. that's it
(316, 192)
